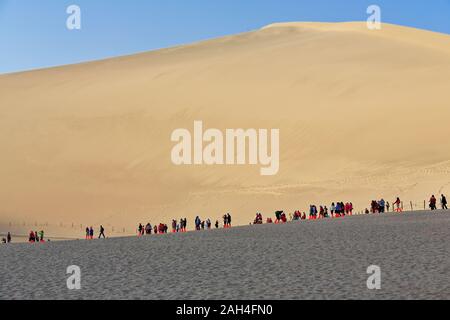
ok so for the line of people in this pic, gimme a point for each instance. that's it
(34, 236)
(336, 210)
(433, 202)
(90, 233)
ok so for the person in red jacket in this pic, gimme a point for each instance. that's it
(398, 203)
(433, 203)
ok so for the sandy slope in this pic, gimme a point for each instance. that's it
(362, 114)
(309, 260)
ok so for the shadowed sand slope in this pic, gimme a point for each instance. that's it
(362, 114)
(310, 260)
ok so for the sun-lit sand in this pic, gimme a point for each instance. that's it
(362, 115)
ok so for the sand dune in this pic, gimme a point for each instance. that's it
(362, 114)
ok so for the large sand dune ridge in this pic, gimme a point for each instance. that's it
(362, 114)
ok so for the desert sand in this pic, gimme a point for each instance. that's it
(325, 259)
(362, 115)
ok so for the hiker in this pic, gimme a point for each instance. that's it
(278, 216)
(398, 203)
(8, 237)
(373, 207)
(342, 209)
(444, 202)
(337, 210)
(174, 226)
(148, 229)
(91, 233)
(433, 202)
(382, 205)
(258, 219)
(102, 232)
(347, 208)
(197, 223)
(31, 237)
(225, 221)
(321, 212)
(332, 209)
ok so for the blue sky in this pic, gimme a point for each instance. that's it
(33, 34)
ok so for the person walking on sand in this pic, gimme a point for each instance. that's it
(217, 224)
(8, 237)
(225, 221)
(41, 235)
(229, 220)
(31, 238)
(332, 209)
(87, 233)
(102, 232)
(382, 205)
(433, 202)
(398, 203)
(444, 202)
(91, 233)
(388, 206)
(148, 229)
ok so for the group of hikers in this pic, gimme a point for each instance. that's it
(90, 233)
(181, 226)
(336, 210)
(148, 229)
(433, 202)
(380, 206)
(383, 206)
(34, 236)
